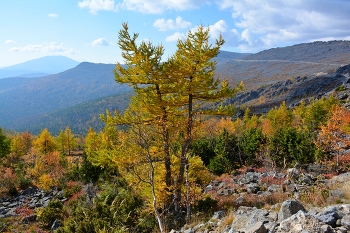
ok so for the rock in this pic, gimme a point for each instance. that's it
(306, 179)
(326, 229)
(29, 219)
(258, 227)
(300, 222)
(293, 173)
(289, 208)
(336, 193)
(209, 188)
(274, 188)
(218, 215)
(317, 169)
(248, 217)
(221, 185)
(329, 218)
(253, 188)
(228, 192)
(29, 191)
(239, 201)
(342, 178)
(341, 230)
(345, 221)
(56, 224)
(249, 177)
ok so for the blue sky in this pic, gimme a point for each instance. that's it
(87, 30)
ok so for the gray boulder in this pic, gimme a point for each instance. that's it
(253, 188)
(300, 222)
(289, 208)
(250, 217)
(345, 221)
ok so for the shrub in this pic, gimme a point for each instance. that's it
(54, 210)
(8, 181)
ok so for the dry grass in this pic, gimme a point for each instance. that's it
(315, 196)
(225, 222)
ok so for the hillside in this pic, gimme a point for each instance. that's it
(37, 96)
(270, 77)
(280, 64)
(79, 117)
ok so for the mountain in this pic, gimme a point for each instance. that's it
(79, 117)
(25, 98)
(291, 74)
(280, 64)
(39, 67)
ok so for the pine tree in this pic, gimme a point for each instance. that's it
(4, 144)
(45, 142)
(66, 141)
(169, 96)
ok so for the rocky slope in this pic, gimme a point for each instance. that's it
(288, 216)
(295, 90)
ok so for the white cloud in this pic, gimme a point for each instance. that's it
(52, 47)
(10, 42)
(166, 25)
(100, 41)
(98, 5)
(218, 28)
(53, 15)
(176, 36)
(269, 23)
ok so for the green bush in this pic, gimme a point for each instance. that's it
(49, 214)
(114, 210)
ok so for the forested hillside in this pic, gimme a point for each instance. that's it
(79, 117)
(32, 98)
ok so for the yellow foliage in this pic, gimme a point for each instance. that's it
(45, 182)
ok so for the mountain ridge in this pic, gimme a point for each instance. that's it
(23, 98)
(38, 67)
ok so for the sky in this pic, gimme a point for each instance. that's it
(87, 30)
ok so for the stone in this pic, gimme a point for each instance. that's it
(249, 177)
(329, 218)
(336, 193)
(29, 219)
(326, 229)
(239, 201)
(293, 173)
(274, 188)
(300, 222)
(252, 188)
(209, 188)
(345, 221)
(306, 179)
(29, 191)
(289, 208)
(218, 215)
(249, 217)
(56, 224)
(258, 227)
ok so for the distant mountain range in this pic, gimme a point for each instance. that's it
(76, 97)
(39, 67)
(22, 99)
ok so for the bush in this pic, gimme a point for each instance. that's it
(54, 210)
(115, 209)
(8, 181)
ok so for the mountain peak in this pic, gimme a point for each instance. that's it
(44, 65)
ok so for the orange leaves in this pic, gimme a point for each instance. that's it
(333, 135)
